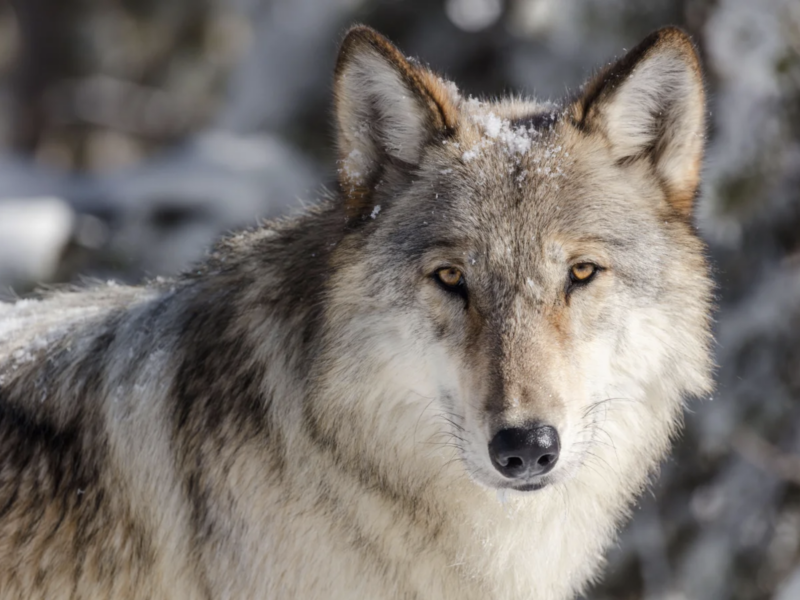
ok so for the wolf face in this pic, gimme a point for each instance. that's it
(530, 270)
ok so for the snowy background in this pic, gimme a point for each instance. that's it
(132, 133)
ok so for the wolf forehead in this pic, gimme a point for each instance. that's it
(513, 176)
(509, 153)
(520, 147)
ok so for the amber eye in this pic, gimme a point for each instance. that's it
(582, 272)
(451, 280)
(450, 277)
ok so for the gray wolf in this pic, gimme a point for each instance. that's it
(450, 380)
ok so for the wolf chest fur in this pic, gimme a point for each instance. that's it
(450, 380)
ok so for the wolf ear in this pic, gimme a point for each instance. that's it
(651, 105)
(387, 110)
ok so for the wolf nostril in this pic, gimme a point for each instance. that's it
(524, 451)
(546, 460)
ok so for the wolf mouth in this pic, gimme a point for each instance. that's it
(529, 487)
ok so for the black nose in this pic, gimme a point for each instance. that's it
(524, 451)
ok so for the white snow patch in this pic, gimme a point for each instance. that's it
(354, 166)
(33, 234)
(452, 89)
(470, 154)
(375, 211)
(516, 141)
(492, 124)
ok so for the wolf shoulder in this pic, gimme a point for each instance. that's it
(65, 322)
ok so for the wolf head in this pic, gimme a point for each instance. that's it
(526, 271)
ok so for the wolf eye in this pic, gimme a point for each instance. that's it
(450, 277)
(451, 280)
(582, 272)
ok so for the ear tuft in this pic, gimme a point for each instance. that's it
(651, 104)
(387, 110)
